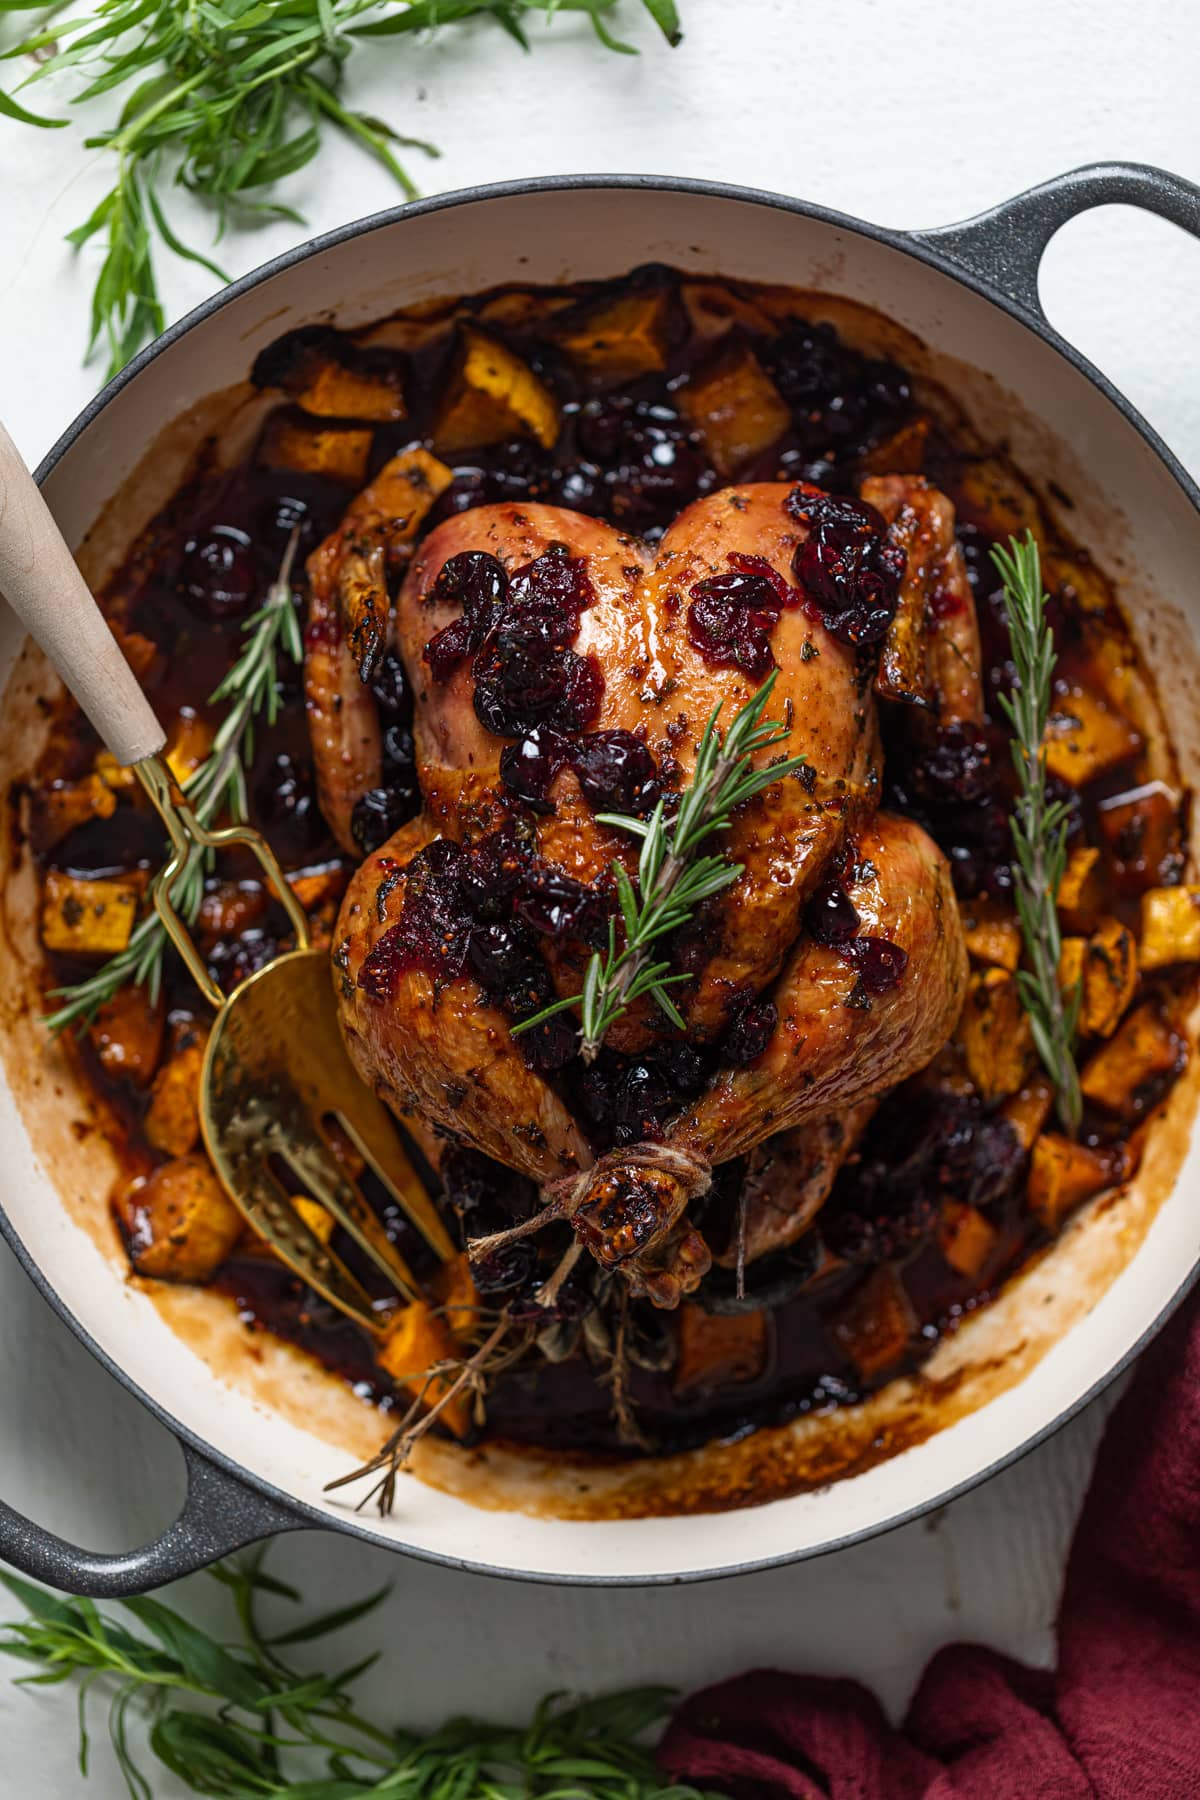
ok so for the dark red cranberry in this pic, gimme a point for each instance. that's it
(508, 1267)
(381, 811)
(233, 959)
(572, 1302)
(558, 588)
(476, 581)
(616, 772)
(447, 648)
(885, 1226)
(550, 1045)
(651, 461)
(492, 874)
(219, 576)
(497, 955)
(389, 684)
(434, 927)
(284, 798)
(557, 905)
(643, 1101)
(728, 635)
(750, 1033)
(399, 754)
(580, 704)
(528, 768)
(846, 565)
(519, 680)
(880, 964)
(684, 1068)
(830, 916)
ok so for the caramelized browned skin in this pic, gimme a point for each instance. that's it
(790, 1177)
(936, 579)
(343, 722)
(443, 1051)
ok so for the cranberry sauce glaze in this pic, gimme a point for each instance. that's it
(627, 448)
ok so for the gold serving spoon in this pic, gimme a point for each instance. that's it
(276, 1077)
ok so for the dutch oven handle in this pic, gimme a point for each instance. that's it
(1005, 245)
(220, 1515)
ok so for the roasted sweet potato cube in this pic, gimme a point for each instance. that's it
(1170, 927)
(417, 1338)
(339, 452)
(492, 395)
(1087, 735)
(180, 1224)
(736, 408)
(327, 375)
(319, 1221)
(231, 908)
(117, 776)
(188, 744)
(994, 937)
(994, 1033)
(66, 805)
(716, 1349)
(1080, 892)
(1109, 978)
(138, 650)
(622, 337)
(172, 1122)
(314, 887)
(874, 1326)
(1142, 837)
(966, 1238)
(1029, 1108)
(127, 1033)
(1128, 1075)
(1063, 1174)
(901, 454)
(84, 917)
(1070, 964)
(458, 1295)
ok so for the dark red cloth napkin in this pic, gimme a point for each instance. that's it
(1119, 1720)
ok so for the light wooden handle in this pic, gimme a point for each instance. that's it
(41, 583)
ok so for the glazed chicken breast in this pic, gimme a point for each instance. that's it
(562, 670)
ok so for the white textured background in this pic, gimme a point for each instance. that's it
(914, 114)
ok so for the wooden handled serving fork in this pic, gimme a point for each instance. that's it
(277, 1080)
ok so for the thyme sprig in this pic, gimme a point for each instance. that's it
(250, 687)
(1039, 824)
(235, 1719)
(226, 98)
(673, 878)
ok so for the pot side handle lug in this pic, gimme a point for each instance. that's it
(1005, 245)
(220, 1515)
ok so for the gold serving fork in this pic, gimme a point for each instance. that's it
(277, 1080)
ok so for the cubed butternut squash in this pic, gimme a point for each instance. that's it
(1063, 1174)
(1080, 892)
(1128, 1074)
(330, 377)
(231, 908)
(62, 808)
(127, 1034)
(319, 1221)
(995, 1035)
(1170, 930)
(415, 1340)
(875, 1325)
(1142, 837)
(901, 454)
(736, 407)
(339, 452)
(115, 775)
(1086, 735)
(188, 744)
(172, 1122)
(1029, 1108)
(622, 337)
(458, 1295)
(994, 938)
(966, 1238)
(492, 395)
(180, 1224)
(1109, 972)
(316, 887)
(717, 1349)
(87, 917)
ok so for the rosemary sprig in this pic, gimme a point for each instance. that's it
(673, 878)
(232, 1720)
(1039, 824)
(226, 98)
(218, 786)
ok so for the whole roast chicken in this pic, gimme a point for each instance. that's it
(560, 671)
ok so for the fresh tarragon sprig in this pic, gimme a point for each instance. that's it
(251, 688)
(672, 877)
(1039, 824)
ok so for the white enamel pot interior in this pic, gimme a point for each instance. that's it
(252, 1470)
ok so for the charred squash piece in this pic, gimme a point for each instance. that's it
(620, 338)
(1170, 927)
(172, 1122)
(1087, 736)
(1080, 892)
(317, 887)
(966, 1239)
(1109, 978)
(341, 453)
(459, 1297)
(1063, 1174)
(83, 917)
(492, 395)
(1029, 1108)
(994, 1033)
(993, 937)
(60, 809)
(716, 1349)
(736, 407)
(231, 908)
(1126, 1076)
(416, 1339)
(1142, 838)
(331, 378)
(874, 1327)
(901, 454)
(127, 1033)
(188, 744)
(180, 1224)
